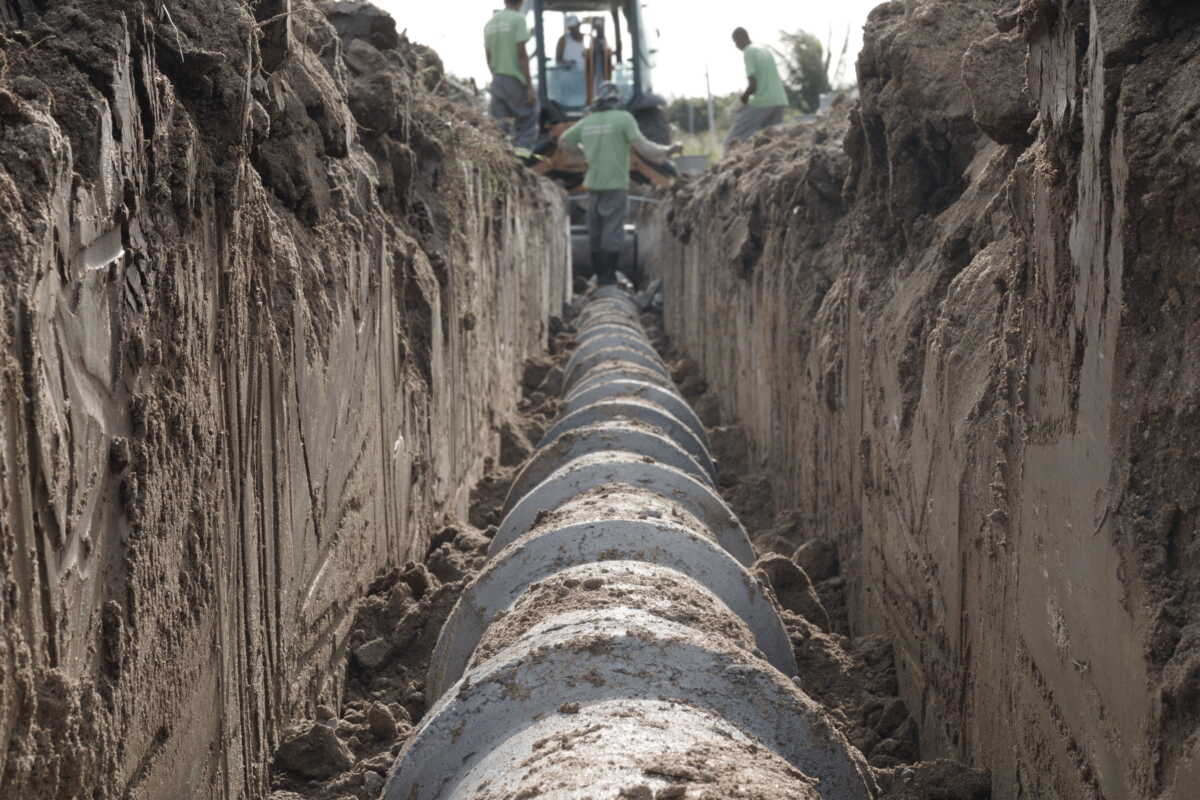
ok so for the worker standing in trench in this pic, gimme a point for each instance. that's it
(505, 40)
(765, 99)
(604, 137)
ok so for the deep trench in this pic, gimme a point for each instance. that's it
(288, 330)
(605, 626)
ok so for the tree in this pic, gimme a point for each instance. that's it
(807, 67)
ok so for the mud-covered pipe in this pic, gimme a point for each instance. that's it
(617, 644)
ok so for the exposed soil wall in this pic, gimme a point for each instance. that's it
(959, 322)
(268, 294)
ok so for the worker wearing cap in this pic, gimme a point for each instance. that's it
(572, 47)
(505, 38)
(604, 137)
(764, 99)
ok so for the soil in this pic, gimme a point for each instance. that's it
(268, 289)
(346, 751)
(854, 678)
(661, 592)
(956, 320)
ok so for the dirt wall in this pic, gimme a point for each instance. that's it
(267, 295)
(958, 320)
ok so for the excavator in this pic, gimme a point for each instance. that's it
(617, 50)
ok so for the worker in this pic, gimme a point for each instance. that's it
(599, 60)
(572, 47)
(604, 137)
(505, 38)
(764, 100)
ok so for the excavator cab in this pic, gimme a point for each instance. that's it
(616, 49)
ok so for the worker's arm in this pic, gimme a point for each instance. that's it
(571, 140)
(523, 59)
(655, 153)
(750, 90)
(523, 63)
(562, 46)
(751, 75)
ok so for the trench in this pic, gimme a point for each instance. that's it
(317, 483)
(617, 641)
(606, 626)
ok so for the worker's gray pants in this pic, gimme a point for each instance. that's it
(752, 119)
(606, 221)
(606, 232)
(510, 99)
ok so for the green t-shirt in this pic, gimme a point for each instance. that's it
(503, 34)
(760, 65)
(605, 138)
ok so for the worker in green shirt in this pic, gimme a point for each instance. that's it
(505, 37)
(764, 99)
(604, 137)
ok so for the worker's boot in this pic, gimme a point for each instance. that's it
(597, 264)
(606, 274)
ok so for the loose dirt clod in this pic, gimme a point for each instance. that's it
(313, 750)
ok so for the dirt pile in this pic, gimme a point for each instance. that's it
(268, 292)
(348, 748)
(954, 320)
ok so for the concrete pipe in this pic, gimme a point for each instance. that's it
(622, 336)
(602, 301)
(625, 469)
(617, 644)
(602, 359)
(626, 436)
(585, 336)
(612, 316)
(604, 307)
(614, 293)
(550, 556)
(614, 371)
(609, 342)
(643, 411)
(639, 390)
(603, 304)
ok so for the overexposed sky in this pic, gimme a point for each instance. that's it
(694, 34)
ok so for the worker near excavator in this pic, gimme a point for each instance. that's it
(572, 46)
(604, 138)
(599, 57)
(505, 40)
(764, 100)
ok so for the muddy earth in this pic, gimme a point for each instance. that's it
(346, 753)
(280, 328)
(956, 319)
(268, 287)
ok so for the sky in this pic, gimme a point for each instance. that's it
(693, 35)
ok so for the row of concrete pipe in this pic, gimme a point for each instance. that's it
(617, 644)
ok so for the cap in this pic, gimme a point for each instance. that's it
(572, 21)
(608, 91)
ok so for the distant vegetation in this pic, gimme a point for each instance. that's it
(804, 65)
